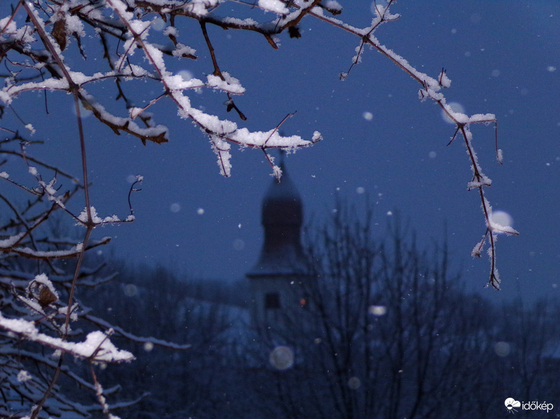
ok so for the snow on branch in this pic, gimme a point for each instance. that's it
(35, 39)
(51, 364)
(219, 131)
(132, 25)
(431, 88)
(34, 307)
(96, 347)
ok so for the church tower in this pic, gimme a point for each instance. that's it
(275, 279)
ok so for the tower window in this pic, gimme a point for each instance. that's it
(272, 301)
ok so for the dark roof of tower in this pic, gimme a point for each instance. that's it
(282, 202)
(282, 218)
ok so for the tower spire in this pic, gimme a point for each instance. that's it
(274, 280)
(281, 218)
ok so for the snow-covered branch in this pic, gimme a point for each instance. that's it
(96, 347)
(45, 47)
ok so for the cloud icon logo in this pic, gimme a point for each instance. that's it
(511, 404)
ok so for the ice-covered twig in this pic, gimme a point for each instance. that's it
(383, 15)
(431, 89)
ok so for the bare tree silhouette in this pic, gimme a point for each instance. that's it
(386, 330)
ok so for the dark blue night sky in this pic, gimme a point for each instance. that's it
(380, 141)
